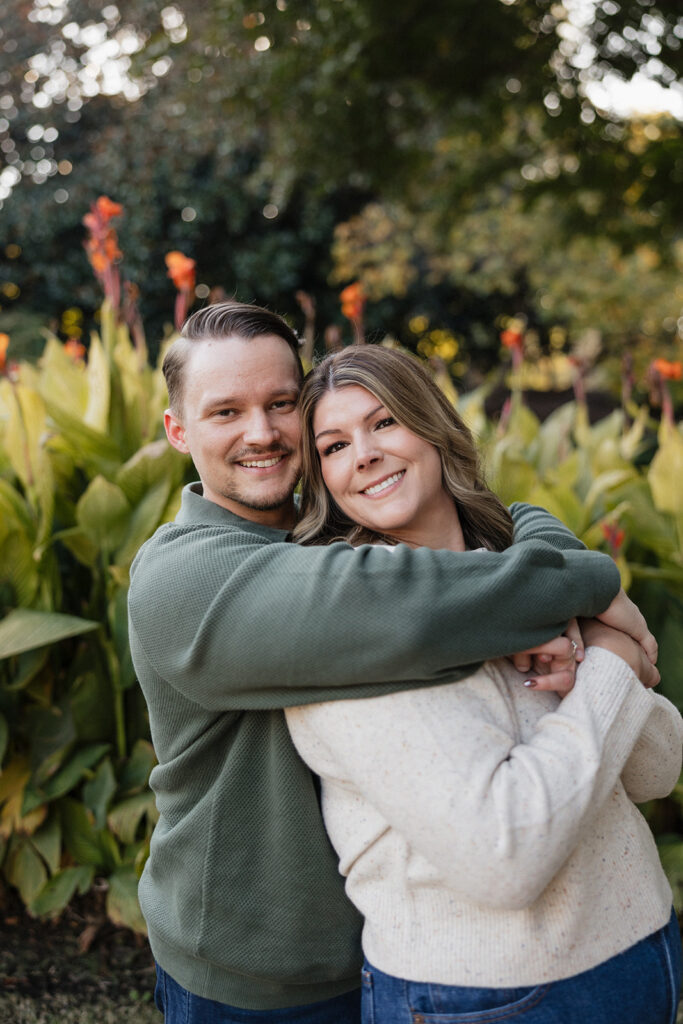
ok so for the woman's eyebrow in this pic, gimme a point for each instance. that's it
(337, 430)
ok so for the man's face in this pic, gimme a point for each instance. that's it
(240, 423)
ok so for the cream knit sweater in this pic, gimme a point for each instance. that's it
(487, 831)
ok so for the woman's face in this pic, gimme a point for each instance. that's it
(380, 474)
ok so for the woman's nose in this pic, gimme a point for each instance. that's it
(366, 455)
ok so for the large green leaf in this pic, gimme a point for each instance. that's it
(52, 734)
(91, 705)
(118, 624)
(144, 520)
(134, 774)
(96, 414)
(48, 842)
(124, 819)
(98, 791)
(4, 737)
(25, 870)
(27, 667)
(152, 463)
(73, 771)
(666, 471)
(25, 431)
(18, 567)
(80, 836)
(102, 513)
(62, 379)
(58, 892)
(122, 901)
(92, 449)
(24, 629)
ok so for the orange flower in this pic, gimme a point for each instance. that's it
(512, 339)
(353, 299)
(181, 270)
(4, 344)
(668, 370)
(75, 349)
(614, 536)
(107, 208)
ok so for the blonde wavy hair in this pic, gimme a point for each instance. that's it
(410, 395)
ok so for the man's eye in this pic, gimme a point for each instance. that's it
(226, 413)
(284, 403)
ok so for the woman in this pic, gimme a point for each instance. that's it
(487, 832)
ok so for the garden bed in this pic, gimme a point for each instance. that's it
(79, 969)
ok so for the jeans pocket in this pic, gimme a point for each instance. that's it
(367, 999)
(453, 1004)
(159, 989)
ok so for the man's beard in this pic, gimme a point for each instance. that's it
(266, 504)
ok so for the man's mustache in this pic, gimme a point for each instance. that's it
(259, 453)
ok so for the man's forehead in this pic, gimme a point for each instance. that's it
(238, 354)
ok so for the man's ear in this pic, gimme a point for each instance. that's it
(175, 432)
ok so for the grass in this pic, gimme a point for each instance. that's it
(72, 1009)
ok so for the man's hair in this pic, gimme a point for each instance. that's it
(412, 397)
(215, 323)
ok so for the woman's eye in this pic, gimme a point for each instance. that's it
(335, 447)
(386, 421)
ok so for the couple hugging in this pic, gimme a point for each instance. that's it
(374, 685)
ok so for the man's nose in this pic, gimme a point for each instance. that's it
(259, 429)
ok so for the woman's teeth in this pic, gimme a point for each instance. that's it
(382, 486)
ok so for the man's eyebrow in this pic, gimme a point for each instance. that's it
(235, 400)
(336, 430)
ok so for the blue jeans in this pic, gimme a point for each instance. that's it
(182, 1007)
(639, 986)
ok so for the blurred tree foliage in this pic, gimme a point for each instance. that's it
(242, 134)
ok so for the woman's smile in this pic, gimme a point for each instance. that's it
(382, 486)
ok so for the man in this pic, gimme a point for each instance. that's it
(229, 623)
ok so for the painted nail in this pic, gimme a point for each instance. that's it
(530, 683)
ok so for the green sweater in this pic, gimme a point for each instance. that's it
(230, 623)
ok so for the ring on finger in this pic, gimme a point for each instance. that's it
(575, 647)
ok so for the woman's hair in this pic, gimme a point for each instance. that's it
(415, 401)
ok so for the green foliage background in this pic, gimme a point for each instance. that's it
(85, 478)
(449, 158)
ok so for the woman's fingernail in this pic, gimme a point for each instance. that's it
(580, 654)
(530, 683)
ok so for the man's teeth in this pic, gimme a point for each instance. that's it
(382, 486)
(262, 463)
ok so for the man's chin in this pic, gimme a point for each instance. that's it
(264, 503)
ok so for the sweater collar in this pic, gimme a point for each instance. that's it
(196, 510)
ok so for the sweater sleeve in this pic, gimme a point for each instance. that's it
(496, 817)
(654, 766)
(234, 623)
(531, 522)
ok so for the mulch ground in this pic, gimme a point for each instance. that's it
(80, 956)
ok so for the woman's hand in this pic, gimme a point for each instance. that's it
(597, 634)
(623, 614)
(552, 665)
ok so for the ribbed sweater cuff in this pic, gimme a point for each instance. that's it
(614, 692)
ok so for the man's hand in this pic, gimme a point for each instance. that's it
(597, 634)
(553, 664)
(624, 615)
